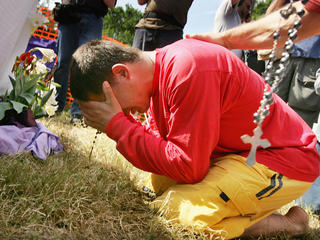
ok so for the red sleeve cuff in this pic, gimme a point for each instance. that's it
(119, 124)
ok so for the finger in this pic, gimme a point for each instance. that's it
(108, 93)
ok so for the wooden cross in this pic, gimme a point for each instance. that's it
(255, 141)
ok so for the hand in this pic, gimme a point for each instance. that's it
(209, 37)
(98, 114)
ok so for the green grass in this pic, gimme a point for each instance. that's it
(69, 196)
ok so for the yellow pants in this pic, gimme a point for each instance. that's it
(229, 199)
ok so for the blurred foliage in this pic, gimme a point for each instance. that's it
(260, 9)
(120, 23)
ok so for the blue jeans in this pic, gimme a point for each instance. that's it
(70, 37)
(312, 197)
(150, 39)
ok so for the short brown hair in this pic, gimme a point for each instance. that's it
(91, 65)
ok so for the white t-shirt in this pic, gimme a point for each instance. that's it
(227, 17)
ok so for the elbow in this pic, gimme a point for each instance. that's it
(110, 3)
(193, 176)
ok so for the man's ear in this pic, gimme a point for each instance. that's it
(120, 70)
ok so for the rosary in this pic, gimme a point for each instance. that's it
(84, 125)
(272, 79)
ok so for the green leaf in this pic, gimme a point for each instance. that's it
(4, 106)
(13, 82)
(41, 85)
(56, 84)
(38, 112)
(28, 97)
(20, 79)
(12, 95)
(30, 83)
(45, 98)
(18, 106)
(32, 90)
(5, 97)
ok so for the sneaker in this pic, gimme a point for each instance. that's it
(75, 119)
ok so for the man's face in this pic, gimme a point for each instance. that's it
(245, 11)
(131, 98)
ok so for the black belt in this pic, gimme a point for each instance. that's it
(162, 16)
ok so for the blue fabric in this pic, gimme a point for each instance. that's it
(312, 197)
(70, 37)
(308, 48)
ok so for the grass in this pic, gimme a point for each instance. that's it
(69, 196)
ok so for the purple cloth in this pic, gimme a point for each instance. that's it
(44, 43)
(38, 140)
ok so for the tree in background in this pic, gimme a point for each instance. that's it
(260, 9)
(120, 24)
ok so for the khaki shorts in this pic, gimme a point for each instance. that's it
(228, 200)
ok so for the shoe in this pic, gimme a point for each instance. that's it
(75, 119)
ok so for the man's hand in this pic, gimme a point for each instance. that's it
(216, 38)
(98, 114)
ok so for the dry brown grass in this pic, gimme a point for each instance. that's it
(70, 196)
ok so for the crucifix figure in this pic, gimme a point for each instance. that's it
(255, 141)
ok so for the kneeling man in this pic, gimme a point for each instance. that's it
(201, 99)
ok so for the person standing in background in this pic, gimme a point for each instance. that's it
(232, 13)
(79, 22)
(162, 23)
(297, 84)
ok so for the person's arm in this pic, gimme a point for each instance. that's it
(142, 2)
(110, 3)
(275, 5)
(184, 153)
(259, 34)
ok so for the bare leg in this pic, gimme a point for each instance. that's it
(295, 222)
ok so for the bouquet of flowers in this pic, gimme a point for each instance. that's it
(32, 95)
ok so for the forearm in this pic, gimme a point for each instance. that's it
(152, 153)
(275, 5)
(259, 34)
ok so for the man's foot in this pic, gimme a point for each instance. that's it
(299, 220)
(294, 223)
(75, 119)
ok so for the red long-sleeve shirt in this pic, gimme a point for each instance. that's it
(203, 100)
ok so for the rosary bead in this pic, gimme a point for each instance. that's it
(293, 34)
(263, 102)
(289, 48)
(256, 117)
(290, 31)
(268, 95)
(297, 24)
(272, 57)
(270, 101)
(265, 112)
(301, 12)
(269, 66)
(276, 35)
(285, 57)
(288, 43)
